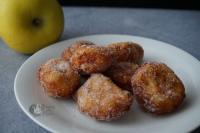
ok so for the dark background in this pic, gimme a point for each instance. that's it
(169, 4)
(165, 4)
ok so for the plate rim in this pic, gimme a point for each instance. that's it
(76, 38)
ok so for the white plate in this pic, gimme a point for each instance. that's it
(64, 116)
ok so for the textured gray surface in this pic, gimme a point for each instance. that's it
(179, 28)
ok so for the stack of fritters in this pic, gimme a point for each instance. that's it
(113, 76)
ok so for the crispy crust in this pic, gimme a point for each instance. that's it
(58, 78)
(157, 88)
(68, 52)
(121, 73)
(89, 59)
(101, 99)
(127, 51)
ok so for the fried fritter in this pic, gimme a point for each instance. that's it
(157, 88)
(101, 99)
(89, 59)
(127, 51)
(58, 78)
(68, 52)
(121, 73)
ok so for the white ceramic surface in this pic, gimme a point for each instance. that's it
(64, 116)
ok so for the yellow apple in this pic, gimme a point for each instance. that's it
(29, 25)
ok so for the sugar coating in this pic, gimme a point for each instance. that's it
(127, 51)
(157, 88)
(58, 79)
(91, 59)
(69, 51)
(121, 74)
(101, 99)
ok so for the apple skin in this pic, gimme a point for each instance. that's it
(29, 25)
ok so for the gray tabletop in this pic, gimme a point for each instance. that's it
(177, 27)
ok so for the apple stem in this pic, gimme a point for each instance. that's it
(36, 22)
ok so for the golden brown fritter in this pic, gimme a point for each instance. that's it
(68, 52)
(58, 78)
(157, 88)
(89, 59)
(121, 73)
(101, 99)
(127, 51)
